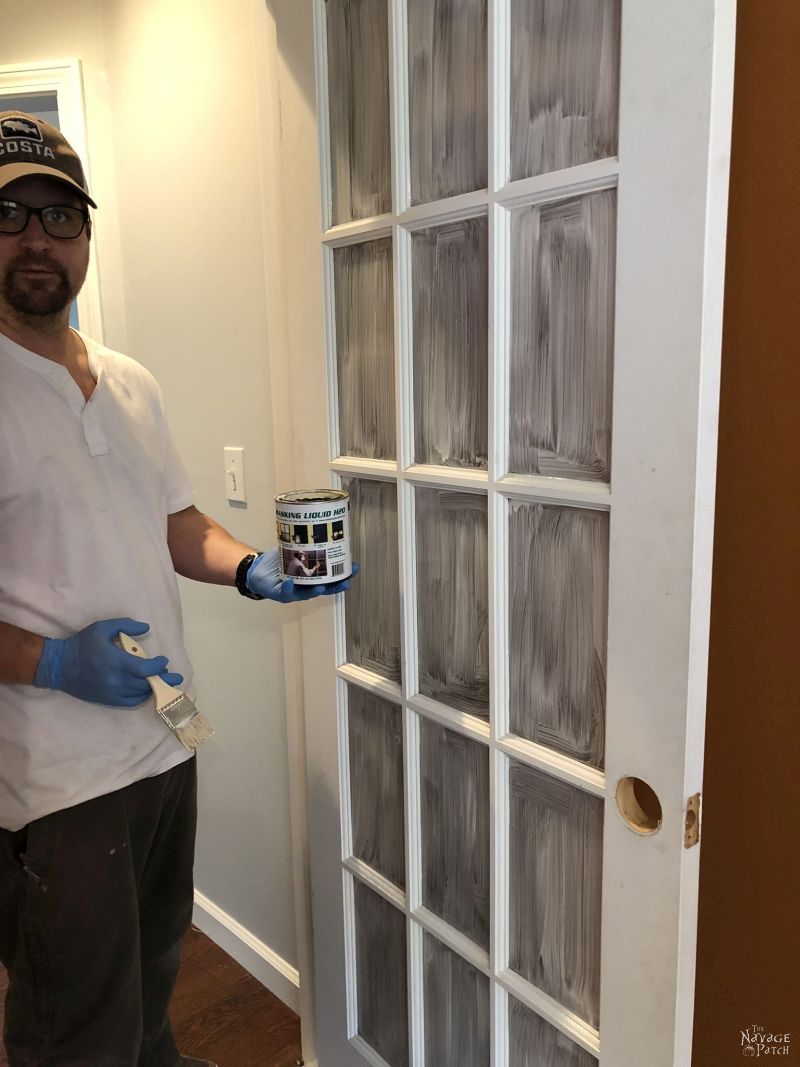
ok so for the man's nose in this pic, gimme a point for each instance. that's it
(34, 235)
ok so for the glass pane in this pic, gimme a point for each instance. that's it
(555, 848)
(453, 599)
(562, 330)
(381, 975)
(558, 614)
(375, 732)
(358, 86)
(565, 83)
(533, 1041)
(455, 829)
(456, 1010)
(372, 606)
(451, 344)
(365, 349)
(448, 101)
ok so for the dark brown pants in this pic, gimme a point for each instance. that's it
(94, 902)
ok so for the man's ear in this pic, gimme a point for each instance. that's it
(89, 227)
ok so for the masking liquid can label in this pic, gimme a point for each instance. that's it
(314, 535)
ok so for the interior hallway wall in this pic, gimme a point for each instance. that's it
(183, 89)
(174, 133)
(749, 937)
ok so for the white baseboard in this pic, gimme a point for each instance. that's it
(280, 977)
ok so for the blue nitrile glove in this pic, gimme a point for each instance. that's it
(91, 666)
(264, 579)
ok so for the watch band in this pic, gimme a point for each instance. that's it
(241, 576)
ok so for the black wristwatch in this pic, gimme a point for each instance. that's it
(241, 576)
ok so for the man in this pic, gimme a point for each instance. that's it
(297, 566)
(97, 796)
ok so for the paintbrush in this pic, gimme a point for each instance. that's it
(172, 705)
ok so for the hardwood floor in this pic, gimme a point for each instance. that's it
(221, 1013)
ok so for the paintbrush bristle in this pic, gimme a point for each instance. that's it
(195, 732)
(189, 726)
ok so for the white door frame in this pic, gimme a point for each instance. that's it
(672, 183)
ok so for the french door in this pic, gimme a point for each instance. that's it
(523, 228)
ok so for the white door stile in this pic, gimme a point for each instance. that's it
(659, 579)
(329, 829)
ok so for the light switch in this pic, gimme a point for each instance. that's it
(234, 475)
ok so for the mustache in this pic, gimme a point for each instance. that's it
(32, 261)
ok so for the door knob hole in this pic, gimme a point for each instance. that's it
(638, 805)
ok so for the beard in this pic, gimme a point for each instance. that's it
(38, 297)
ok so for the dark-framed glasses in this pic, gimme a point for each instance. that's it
(58, 220)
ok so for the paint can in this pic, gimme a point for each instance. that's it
(314, 535)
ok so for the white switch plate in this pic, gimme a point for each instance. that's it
(234, 475)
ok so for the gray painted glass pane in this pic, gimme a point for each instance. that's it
(365, 349)
(565, 83)
(456, 1009)
(381, 975)
(555, 849)
(562, 330)
(372, 606)
(451, 344)
(375, 734)
(558, 615)
(455, 829)
(448, 97)
(358, 87)
(453, 599)
(532, 1041)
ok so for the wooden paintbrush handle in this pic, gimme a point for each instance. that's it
(163, 693)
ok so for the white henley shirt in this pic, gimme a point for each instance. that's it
(85, 491)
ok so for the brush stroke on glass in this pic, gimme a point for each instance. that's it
(453, 598)
(562, 331)
(358, 89)
(565, 83)
(381, 975)
(363, 289)
(558, 622)
(451, 344)
(448, 102)
(456, 1009)
(555, 850)
(372, 606)
(454, 782)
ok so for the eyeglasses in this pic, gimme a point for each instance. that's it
(58, 220)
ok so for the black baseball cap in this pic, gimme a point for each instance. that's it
(29, 145)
